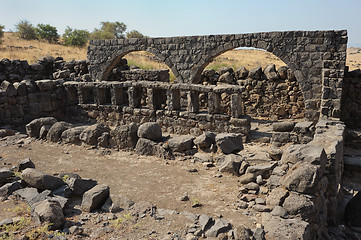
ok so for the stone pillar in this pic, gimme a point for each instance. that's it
(193, 101)
(173, 99)
(214, 102)
(134, 94)
(236, 105)
(117, 96)
(154, 98)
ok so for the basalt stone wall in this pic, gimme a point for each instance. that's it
(24, 101)
(266, 92)
(317, 59)
(351, 101)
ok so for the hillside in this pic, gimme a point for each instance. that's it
(16, 48)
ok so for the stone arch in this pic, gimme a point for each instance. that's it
(198, 69)
(116, 56)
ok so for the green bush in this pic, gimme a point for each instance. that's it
(134, 34)
(1, 32)
(25, 30)
(47, 32)
(75, 37)
(109, 30)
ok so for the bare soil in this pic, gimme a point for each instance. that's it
(157, 182)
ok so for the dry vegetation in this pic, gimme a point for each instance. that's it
(16, 48)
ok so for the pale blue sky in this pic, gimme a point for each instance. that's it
(190, 17)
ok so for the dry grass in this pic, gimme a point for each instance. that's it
(16, 48)
(31, 50)
(353, 58)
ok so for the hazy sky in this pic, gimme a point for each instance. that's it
(157, 18)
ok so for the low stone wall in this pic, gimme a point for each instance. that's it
(266, 92)
(26, 100)
(144, 101)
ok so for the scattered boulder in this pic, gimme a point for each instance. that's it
(150, 148)
(231, 164)
(181, 143)
(299, 205)
(6, 132)
(95, 198)
(54, 133)
(229, 142)
(242, 72)
(117, 203)
(255, 73)
(7, 189)
(33, 128)
(26, 193)
(72, 135)
(289, 229)
(24, 164)
(203, 157)
(6, 175)
(151, 131)
(91, 134)
(205, 141)
(79, 185)
(40, 180)
(305, 153)
(44, 131)
(205, 222)
(124, 137)
(48, 211)
(276, 197)
(219, 226)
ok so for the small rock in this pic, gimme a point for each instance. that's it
(247, 178)
(279, 211)
(283, 126)
(184, 197)
(229, 142)
(41, 180)
(219, 226)
(7, 189)
(181, 143)
(24, 164)
(95, 198)
(150, 130)
(48, 211)
(259, 180)
(260, 201)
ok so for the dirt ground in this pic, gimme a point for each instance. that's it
(141, 178)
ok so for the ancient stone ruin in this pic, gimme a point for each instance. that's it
(211, 116)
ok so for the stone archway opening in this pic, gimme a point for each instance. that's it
(270, 88)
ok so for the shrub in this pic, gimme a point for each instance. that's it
(134, 34)
(25, 30)
(1, 32)
(47, 32)
(109, 30)
(75, 37)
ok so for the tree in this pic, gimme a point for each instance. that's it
(134, 34)
(75, 37)
(25, 30)
(1, 32)
(47, 32)
(109, 30)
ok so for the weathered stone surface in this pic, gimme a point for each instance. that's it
(72, 135)
(288, 229)
(270, 72)
(275, 154)
(276, 197)
(283, 126)
(279, 211)
(302, 178)
(205, 141)
(124, 137)
(264, 170)
(219, 226)
(231, 164)
(117, 203)
(255, 73)
(33, 128)
(26, 193)
(150, 130)
(79, 186)
(242, 233)
(90, 134)
(50, 212)
(299, 205)
(95, 198)
(246, 178)
(6, 132)
(24, 164)
(203, 157)
(56, 130)
(229, 142)
(241, 72)
(7, 189)
(205, 222)
(63, 191)
(311, 154)
(44, 131)
(6, 175)
(40, 180)
(149, 148)
(181, 143)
